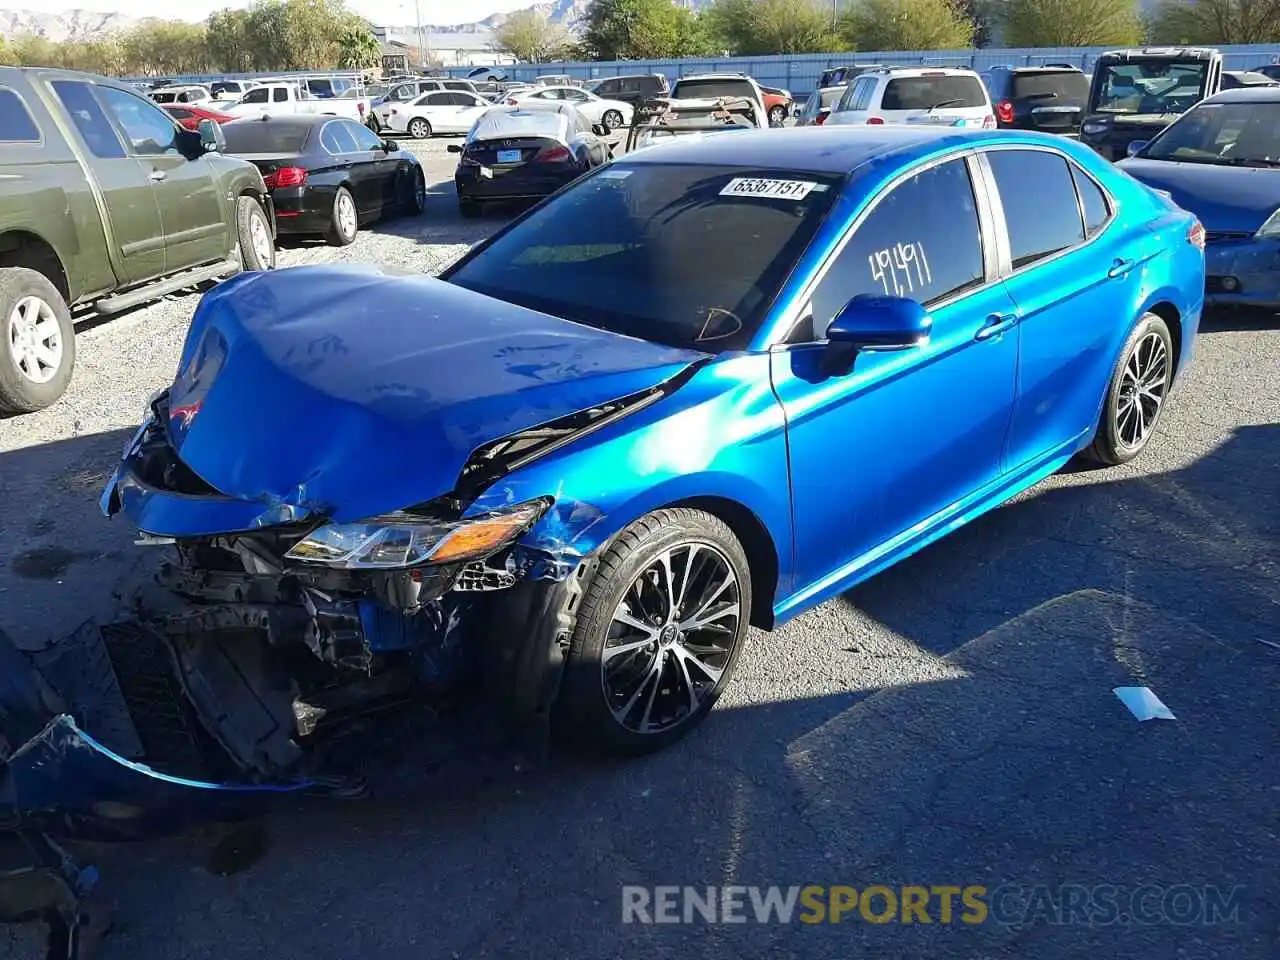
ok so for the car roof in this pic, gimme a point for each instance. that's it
(1256, 94)
(300, 120)
(713, 76)
(824, 149)
(920, 71)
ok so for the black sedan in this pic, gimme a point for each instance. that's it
(327, 175)
(526, 153)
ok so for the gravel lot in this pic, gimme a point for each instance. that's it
(950, 722)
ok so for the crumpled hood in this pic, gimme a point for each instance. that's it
(1232, 199)
(349, 392)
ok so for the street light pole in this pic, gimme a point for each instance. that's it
(417, 10)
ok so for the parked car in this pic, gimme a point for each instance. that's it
(524, 153)
(1271, 70)
(581, 462)
(844, 75)
(1221, 161)
(706, 90)
(814, 111)
(917, 95)
(634, 89)
(189, 93)
(229, 89)
(440, 111)
(328, 175)
(1048, 98)
(778, 104)
(612, 113)
(189, 116)
(408, 91)
(106, 203)
(1137, 93)
(281, 98)
(554, 80)
(1234, 79)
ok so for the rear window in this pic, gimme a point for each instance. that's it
(265, 136)
(165, 97)
(15, 122)
(704, 89)
(924, 93)
(640, 250)
(1067, 85)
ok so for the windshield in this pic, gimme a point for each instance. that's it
(272, 136)
(1235, 134)
(1150, 86)
(642, 250)
(711, 89)
(1067, 85)
(924, 93)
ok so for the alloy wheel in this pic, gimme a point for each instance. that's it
(612, 119)
(1143, 386)
(35, 340)
(419, 190)
(419, 130)
(260, 237)
(346, 215)
(671, 637)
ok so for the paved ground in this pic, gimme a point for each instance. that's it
(950, 722)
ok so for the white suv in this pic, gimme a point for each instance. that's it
(951, 97)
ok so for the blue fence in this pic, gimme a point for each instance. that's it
(799, 73)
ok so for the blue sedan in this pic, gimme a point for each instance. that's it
(709, 386)
(1221, 161)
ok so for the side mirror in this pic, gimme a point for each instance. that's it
(1137, 146)
(212, 139)
(601, 129)
(871, 322)
(391, 146)
(454, 148)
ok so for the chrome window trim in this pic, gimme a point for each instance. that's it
(985, 221)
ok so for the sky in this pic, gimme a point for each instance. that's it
(379, 11)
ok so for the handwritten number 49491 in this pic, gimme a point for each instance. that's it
(901, 269)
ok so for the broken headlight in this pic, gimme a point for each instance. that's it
(1270, 230)
(399, 540)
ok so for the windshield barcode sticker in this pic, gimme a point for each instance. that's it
(771, 189)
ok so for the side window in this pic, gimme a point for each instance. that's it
(255, 96)
(1093, 201)
(16, 124)
(149, 130)
(437, 99)
(921, 241)
(577, 96)
(403, 92)
(459, 99)
(865, 93)
(846, 99)
(365, 138)
(90, 119)
(1043, 221)
(280, 95)
(335, 139)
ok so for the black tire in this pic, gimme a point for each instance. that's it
(1114, 443)
(415, 200)
(250, 219)
(469, 209)
(373, 123)
(777, 116)
(612, 119)
(584, 709)
(419, 129)
(342, 229)
(21, 390)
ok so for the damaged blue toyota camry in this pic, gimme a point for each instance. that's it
(705, 387)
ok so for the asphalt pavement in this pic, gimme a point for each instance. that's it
(950, 723)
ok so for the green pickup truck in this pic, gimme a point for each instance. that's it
(105, 203)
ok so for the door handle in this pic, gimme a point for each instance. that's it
(1119, 267)
(995, 325)
(158, 175)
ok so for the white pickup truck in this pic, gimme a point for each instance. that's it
(275, 99)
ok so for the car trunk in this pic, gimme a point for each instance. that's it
(1053, 102)
(512, 153)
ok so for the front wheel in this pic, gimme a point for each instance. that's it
(777, 116)
(1136, 395)
(658, 632)
(257, 248)
(612, 119)
(343, 221)
(416, 196)
(419, 129)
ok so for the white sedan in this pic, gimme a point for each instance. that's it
(612, 113)
(440, 111)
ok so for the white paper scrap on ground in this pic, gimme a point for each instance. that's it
(1144, 704)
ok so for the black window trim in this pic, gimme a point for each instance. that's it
(987, 235)
(26, 107)
(1003, 246)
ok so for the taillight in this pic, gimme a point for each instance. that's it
(556, 154)
(1195, 236)
(512, 102)
(1004, 111)
(285, 177)
(821, 119)
(360, 109)
(875, 121)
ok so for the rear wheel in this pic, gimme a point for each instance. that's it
(37, 341)
(777, 115)
(419, 129)
(257, 248)
(1136, 396)
(612, 119)
(415, 193)
(344, 222)
(658, 632)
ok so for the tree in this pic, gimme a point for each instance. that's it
(1216, 21)
(529, 35)
(908, 25)
(1071, 23)
(756, 27)
(227, 37)
(7, 57)
(358, 48)
(638, 30)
